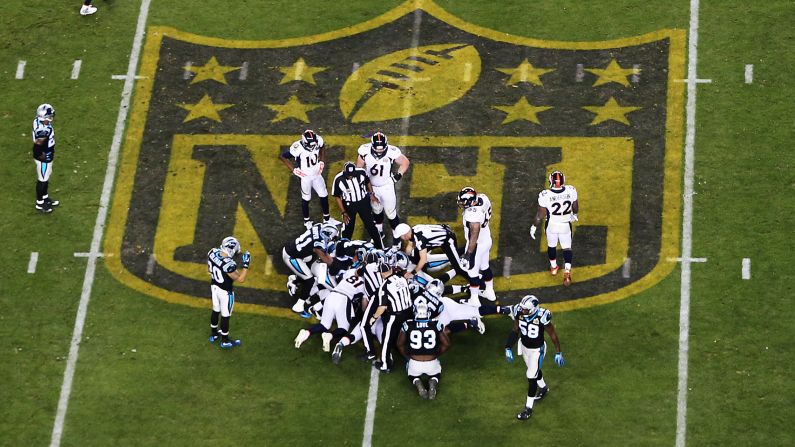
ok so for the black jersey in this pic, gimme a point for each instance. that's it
(423, 337)
(304, 245)
(220, 267)
(435, 305)
(531, 327)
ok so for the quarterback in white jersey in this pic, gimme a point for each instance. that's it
(476, 217)
(559, 206)
(377, 157)
(305, 159)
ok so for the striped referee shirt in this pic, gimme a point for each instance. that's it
(351, 189)
(430, 236)
(395, 294)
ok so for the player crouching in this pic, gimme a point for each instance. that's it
(422, 340)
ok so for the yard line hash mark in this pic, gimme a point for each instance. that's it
(21, 69)
(687, 228)
(749, 73)
(635, 78)
(124, 77)
(187, 73)
(746, 268)
(626, 268)
(34, 259)
(694, 81)
(76, 68)
(506, 266)
(243, 71)
(99, 226)
(580, 74)
(150, 265)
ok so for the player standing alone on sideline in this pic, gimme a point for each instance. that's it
(309, 154)
(377, 158)
(87, 9)
(43, 154)
(529, 322)
(223, 271)
(559, 205)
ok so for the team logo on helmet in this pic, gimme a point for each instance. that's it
(379, 144)
(309, 140)
(230, 245)
(467, 197)
(557, 180)
(45, 112)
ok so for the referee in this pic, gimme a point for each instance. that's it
(393, 303)
(352, 190)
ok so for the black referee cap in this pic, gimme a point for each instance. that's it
(349, 169)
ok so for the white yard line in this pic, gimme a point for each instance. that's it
(579, 74)
(187, 73)
(88, 280)
(626, 269)
(746, 268)
(749, 73)
(76, 68)
(687, 228)
(21, 69)
(369, 418)
(243, 75)
(635, 78)
(124, 77)
(372, 396)
(34, 259)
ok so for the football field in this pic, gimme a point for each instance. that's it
(673, 119)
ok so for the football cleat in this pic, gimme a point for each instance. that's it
(473, 301)
(292, 287)
(541, 393)
(488, 294)
(298, 307)
(52, 203)
(421, 388)
(478, 325)
(44, 207)
(87, 10)
(336, 355)
(366, 357)
(226, 344)
(307, 224)
(381, 367)
(303, 335)
(554, 270)
(525, 414)
(433, 386)
(326, 336)
(214, 338)
(567, 277)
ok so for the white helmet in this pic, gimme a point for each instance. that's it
(400, 261)
(329, 233)
(420, 307)
(230, 245)
(435, 287)
(529, 303)
(45, 112)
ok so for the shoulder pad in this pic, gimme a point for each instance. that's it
(229, 265)
(363, 150)
(545, 315)
(543, 193)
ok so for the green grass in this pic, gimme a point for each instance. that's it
(619, 386)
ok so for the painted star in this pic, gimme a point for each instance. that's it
(613, 73)
(525, 72)
(293, 108)
(522, 110)
(212, 70)
(205, 108)
(612, 110)
(300, 71)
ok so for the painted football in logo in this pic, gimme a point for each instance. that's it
(410, 82)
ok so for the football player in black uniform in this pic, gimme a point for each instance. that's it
(223, 273)
(421, 341)
(298, 255)
(43, 154)
(530, 321)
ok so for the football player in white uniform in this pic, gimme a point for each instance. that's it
(309, 154)
(377, 158)
(476, 216)
(559, 206)
(43, 154)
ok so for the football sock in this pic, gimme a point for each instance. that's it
(324, 207)
(305, 209)
(46, 187)
(552, 254)
(488, 309)
(40, 188)
(447, 276)
(567, 256)
(87, 2)
(225, 328)
(394, 222)
(214, 322)
(458, 326)
(317, 328)
(540, 381)
(531, 393)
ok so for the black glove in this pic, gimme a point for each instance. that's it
(396, 176)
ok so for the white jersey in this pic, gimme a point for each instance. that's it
(558, 204)
(379, 169)
(350, 285)
(479, 212)
(307, 160)
(41, 130)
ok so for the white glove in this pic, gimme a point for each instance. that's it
(322, 165)
(574, 217)
(533, 232)
(298, 173)
(464, 262)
